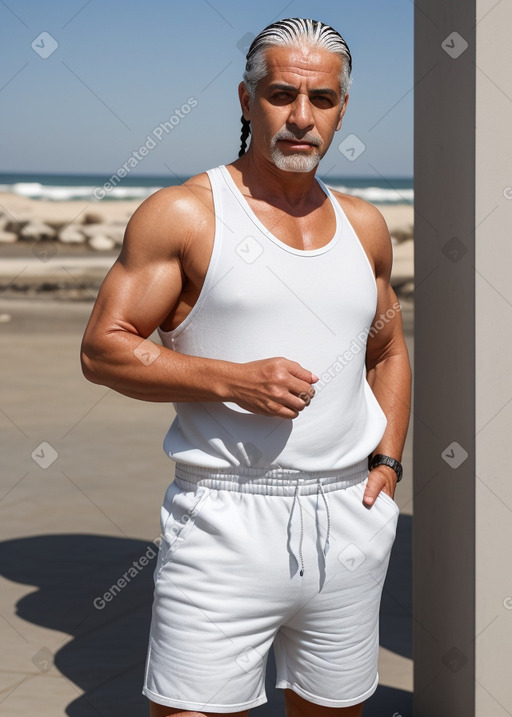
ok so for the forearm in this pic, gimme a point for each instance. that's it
(390, 381)
(141, 369)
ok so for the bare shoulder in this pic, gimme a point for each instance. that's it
(170, 218)
(361, 214)
(371, 229)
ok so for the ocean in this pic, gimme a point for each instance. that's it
(63, 187)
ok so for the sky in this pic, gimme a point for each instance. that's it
(84, 83)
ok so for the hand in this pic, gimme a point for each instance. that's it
(379, 478)
(273, 387)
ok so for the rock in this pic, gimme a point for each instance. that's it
(399, 235)
(72, 234)
(57, 224)
(113, 231)
(101, 242)
(36, 231)
(8, 237)
(92, 218)
(404, 290)
(91, 230)
(16, 224)
(116, 232)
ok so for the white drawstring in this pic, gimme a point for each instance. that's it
(261, 482)
(328, 534)
(301, 557)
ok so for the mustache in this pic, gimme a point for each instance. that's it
(308, 137)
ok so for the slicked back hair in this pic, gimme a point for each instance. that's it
(292, 32)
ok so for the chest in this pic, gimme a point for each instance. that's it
(304, 229)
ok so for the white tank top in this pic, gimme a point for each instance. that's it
(262, 298)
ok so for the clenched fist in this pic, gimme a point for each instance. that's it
(273, 387)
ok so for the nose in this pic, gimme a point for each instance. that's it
(300, 114)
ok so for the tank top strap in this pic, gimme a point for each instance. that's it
(217, 184)
(336, 205)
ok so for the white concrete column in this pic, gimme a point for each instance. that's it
(463, 367)
(493, 320)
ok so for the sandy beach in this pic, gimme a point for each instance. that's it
(65, 212)
(70, 245)
(398, 216)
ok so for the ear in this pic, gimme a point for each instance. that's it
(342, 112)
(244, 98)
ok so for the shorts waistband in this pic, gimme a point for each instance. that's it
(275, 481)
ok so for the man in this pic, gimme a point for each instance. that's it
(284, 356)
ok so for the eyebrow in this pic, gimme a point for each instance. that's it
(291, 88)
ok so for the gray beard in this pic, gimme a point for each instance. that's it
(294, 162)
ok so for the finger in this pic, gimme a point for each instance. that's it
(372, 490)
(272, 409)
(303, 374)
(300, 388)
(300, 401)
(282, 411)
(295, 403)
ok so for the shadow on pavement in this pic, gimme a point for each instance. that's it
(106, 656)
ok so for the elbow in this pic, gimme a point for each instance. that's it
(90, 364)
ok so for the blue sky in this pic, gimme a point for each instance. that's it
(122, 68)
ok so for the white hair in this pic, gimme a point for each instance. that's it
(294, 32)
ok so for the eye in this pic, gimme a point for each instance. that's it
(322, 101)
(281, 97)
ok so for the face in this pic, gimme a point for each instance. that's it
(297, 107)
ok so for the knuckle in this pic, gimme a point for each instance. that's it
(306, 397)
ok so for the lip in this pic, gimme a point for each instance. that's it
(296, 143)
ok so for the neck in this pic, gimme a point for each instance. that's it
(263, 180)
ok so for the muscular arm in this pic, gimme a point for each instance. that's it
(142, 289)
(387, 361)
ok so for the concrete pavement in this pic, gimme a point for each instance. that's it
(83, 475)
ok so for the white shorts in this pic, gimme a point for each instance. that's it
(246, 561)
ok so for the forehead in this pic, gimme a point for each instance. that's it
(303, 66)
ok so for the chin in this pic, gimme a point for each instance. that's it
(295, 162)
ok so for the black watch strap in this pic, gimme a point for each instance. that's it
(381, 460)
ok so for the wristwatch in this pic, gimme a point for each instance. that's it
(381, 460)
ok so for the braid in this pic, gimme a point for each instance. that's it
(246, 131)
